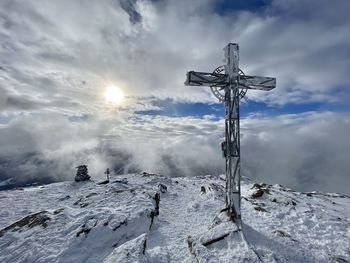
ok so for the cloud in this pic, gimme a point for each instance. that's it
(306, 152)
(58, 57)
(146, 47)
(129, 7)
(51, 151)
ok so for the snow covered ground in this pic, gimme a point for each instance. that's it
(150, 218)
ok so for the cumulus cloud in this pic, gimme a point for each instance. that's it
(305, 152)
(50, 151)
(57, 57)
(146, 47)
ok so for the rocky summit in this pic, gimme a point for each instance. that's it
(151, 218)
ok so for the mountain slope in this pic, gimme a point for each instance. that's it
(150, 218)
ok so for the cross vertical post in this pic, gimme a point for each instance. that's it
(229, 84)
(232, 132)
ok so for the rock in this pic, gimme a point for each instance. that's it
(260, 209)
(155, 212)
(340, 260)
(256, 185)
(86, 228)
(123, 223)
(122, 181)
(203, 191)
(37, 219)
(103, 182)
(57, 211)
(162, 188)
(65, 198)
(281, 233)
(190, 244)
(82, 173)
(91, 194)
(83, 230)
(258, 193)
(157, 200)
(145, 174)
(82, 205)
(78, 201)
(209, 242)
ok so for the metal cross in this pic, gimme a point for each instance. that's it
(229, 84)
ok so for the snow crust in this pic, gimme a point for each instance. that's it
(150, 218)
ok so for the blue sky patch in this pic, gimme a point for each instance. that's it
(223, 7)
(171, 108)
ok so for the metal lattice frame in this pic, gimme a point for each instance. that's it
(219, 91)
(233, 152)
(229, 84)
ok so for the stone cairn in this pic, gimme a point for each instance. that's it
(82, 173)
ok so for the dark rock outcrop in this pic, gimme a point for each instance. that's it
(30, 221)
(258, 193)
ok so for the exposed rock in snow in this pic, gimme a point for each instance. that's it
(162, 188)
(30, 221)
(150, 218)
(258, 193)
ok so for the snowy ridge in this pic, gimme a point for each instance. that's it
(150, 218)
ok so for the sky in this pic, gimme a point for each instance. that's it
(57, 58)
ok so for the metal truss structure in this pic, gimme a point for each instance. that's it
(229, 84)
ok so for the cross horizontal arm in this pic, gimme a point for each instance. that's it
(222, 80)
(206, 79)
(257, 83)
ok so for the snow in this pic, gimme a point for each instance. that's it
(150, 218)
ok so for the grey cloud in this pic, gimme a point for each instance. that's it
(50, 151)
(150, 57)
(57, 57)
(306, 10)
(21, 103)
(129, 7)
(305, 152)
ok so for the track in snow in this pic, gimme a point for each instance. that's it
(184, 211)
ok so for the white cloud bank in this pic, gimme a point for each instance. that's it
(306, 152)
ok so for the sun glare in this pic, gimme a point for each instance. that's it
(114, 95)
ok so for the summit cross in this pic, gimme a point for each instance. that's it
(229, 84)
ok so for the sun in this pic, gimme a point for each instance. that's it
(114, 95)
